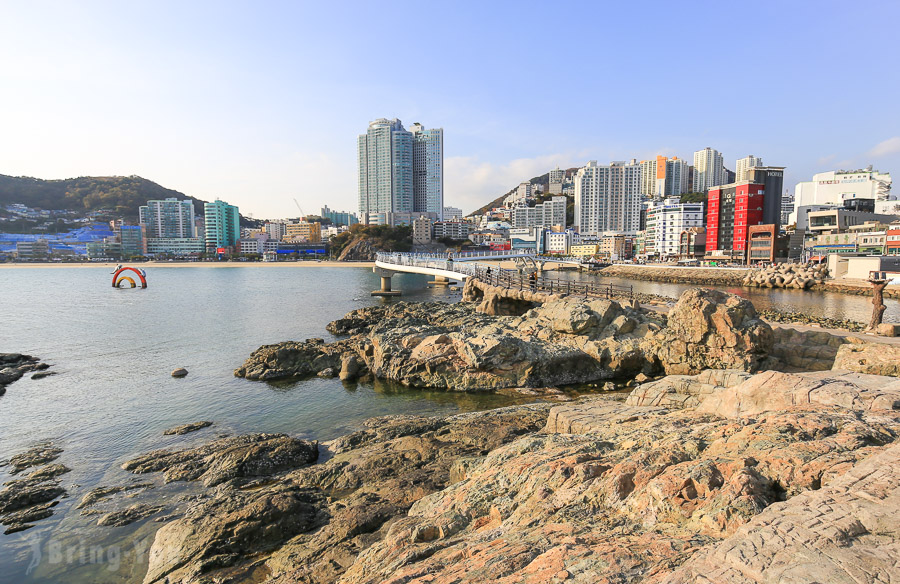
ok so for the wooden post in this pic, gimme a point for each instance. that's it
(878, 306)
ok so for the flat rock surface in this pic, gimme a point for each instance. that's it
(845, 533)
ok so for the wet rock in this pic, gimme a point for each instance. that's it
(23, 493)
(230, 458)
(43, 374)
(129, 515)
(21, 520)
(51, 471)
(180, 372)
(187, 428)
(37, 455)
(99, 493)
(13, 366)
(326, 373)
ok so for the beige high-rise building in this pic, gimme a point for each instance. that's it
(709, 169)
(607, 198)
(743, 166)
(303, 231)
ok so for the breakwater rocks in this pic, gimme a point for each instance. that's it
(674, 275)
(797, 276)
(14, 366)
(455, 347)
(588, 491)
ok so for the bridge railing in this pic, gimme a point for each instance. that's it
(511, 279)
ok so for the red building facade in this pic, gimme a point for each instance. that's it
(730, 211)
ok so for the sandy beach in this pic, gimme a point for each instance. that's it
(147, 265)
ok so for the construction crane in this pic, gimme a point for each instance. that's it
(302, 214)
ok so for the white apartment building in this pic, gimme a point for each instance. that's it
(838, 186)
(607, 198)
(743, 165)
(453, 214)
(558, 243)
(547, 214)
(709, 169)
(665, 223)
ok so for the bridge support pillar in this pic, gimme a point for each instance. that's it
(385, 283)
(440, 281)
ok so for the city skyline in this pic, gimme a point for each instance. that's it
(201, 103)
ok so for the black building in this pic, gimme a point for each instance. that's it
(772, 177)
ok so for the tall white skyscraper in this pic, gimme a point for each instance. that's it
(744, 165)
(709, 169)
(607, 198)
(428, 170)
(400, 171)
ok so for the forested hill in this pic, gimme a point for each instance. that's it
(121, 195)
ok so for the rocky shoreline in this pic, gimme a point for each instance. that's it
(741, 453)
(658, 489)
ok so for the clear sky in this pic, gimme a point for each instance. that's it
(258, 103)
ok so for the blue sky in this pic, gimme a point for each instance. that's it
(261, 102)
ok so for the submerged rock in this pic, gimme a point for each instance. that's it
(129, 515)
(99, 493)
(187, 428)
(37, 455)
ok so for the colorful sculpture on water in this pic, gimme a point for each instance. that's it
(118, 279)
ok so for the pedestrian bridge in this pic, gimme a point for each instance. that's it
(461, 266)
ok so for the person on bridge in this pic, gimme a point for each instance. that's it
(532, 279)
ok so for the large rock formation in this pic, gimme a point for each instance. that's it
(572, 340)
(710, 329)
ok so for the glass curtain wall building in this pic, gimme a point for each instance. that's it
(400, 171)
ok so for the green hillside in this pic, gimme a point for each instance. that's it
(119, 195)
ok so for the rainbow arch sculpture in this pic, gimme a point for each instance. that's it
(119, 279)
